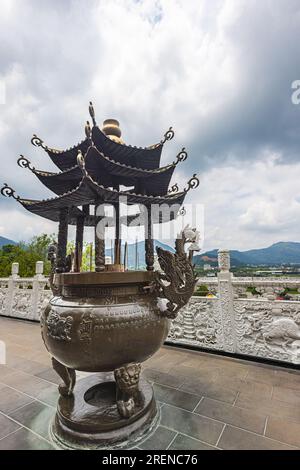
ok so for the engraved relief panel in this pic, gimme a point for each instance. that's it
(268, 329)
(43, 300)
(3, 298)
(198, 324)
(21, 303)
(59, 327)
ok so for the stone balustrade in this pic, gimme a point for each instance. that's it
(24, 297)
(240, 316)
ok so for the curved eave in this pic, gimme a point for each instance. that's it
(66, 159)
(60, 183)
(88, 191)
(94, 157)
(107, 172)
(74, 213)
(146, 158)
(52, 214)
(90, 220)
(112, 196)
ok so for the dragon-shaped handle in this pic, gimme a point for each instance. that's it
(176, 282)
(52, 255)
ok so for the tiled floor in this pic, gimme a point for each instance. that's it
(207, 402)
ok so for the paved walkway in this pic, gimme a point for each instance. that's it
(207, 401)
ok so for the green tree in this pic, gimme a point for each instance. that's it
(26, 254)
(88, 257)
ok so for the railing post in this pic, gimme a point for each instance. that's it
(11, 288)
(39, 269)
(36, 290)
(15, 270)
(225, 291)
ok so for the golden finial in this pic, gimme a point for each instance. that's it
(112, 130)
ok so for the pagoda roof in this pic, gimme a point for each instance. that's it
(107, 172)
(90, 192)
(100, 162)
(144, 158)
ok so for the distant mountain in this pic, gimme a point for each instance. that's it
(6, 241)
(276, 254)
(140, 253)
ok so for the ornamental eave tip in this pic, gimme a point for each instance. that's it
(168, 135)
(23, 162)
(181, 156)
(7, 191)
(193, 183)
(38, 142)
(173, 189)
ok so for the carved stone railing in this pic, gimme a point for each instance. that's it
(24, 297)
(255, 287)
(253, 327)
(243, 317)
(233, 320)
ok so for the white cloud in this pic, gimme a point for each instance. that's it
(219, 71)
(251, 206)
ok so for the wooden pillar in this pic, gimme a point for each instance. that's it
(62, 240)
(79, 243)
(149, 245)
(117, 251)
(99, 247)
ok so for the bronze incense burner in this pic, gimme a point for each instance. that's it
(103, 322)
(106, 323)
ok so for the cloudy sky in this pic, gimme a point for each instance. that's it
(220, 72)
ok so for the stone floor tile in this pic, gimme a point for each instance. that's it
(239, 439)
(49, 396)
(264, 375)
(5, 371)
(22, 351)
(184, 372)
(26, 383)
(50, 375)
(288, 377)
(246, 419)
(284, 430)
(211, 390)
(162, 378)
(159, 440)
(11, 399)
(35, 416)
(288, 395)
(174, 397)
(237, 392)
(24, 440)
(193, 425)
(25, 365)
(7, 426)
(182, 442)
(261, 389)
(274, 408)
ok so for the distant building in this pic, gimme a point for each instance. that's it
(207, 267)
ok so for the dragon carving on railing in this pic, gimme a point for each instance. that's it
(176, 282)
